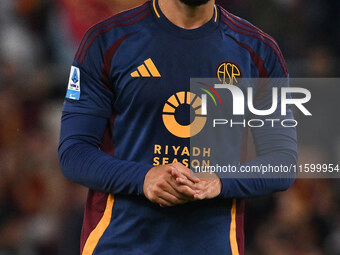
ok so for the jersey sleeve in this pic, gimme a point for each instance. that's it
(86, 115)
(82, 161)
(275, 146)
(89, 91)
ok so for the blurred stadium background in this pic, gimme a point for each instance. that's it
(41, 212)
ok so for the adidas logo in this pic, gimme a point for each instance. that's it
(148, 69)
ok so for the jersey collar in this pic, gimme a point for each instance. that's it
(166, 24)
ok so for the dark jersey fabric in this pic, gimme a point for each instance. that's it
(108, 134)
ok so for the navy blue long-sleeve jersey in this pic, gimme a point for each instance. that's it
(113, 129)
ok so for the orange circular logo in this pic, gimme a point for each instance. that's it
(170, 108)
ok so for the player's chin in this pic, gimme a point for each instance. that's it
(195, 2)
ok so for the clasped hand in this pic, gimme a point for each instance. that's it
(175, 184)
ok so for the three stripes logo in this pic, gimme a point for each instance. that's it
(148, 69)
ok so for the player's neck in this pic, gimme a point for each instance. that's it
(185, 16)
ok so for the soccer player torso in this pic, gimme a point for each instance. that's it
(137, 67)
(152, 66)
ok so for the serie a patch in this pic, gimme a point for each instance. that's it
(73, 88)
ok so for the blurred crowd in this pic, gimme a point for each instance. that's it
(41, 212)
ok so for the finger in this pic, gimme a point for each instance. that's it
(191, 176)
(180, 192)
(187, 191)
(163, 203)
(184, 173)
(197, 187)
(170, 198)
(176, 173)
(200, 196)
(172, 189)
(204, 193)
(188, 183)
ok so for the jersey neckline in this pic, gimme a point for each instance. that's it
(177, 31)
